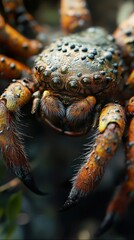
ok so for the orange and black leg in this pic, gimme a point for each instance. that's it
(13, 98)
(124, 36)
(12, 69)
(110, 131)
(18, 17)
(17, 43)
(75, 15)
(124, 193)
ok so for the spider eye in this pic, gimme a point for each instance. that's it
(73, 86)
(86, 81)
(56, 83)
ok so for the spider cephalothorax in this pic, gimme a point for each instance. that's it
(77, 83)
(75, 72)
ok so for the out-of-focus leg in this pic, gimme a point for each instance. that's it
(17, 43)
(75, 15)
(18, 17)
(124, 36)
(12, 69)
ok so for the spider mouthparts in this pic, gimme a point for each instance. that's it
(105, 225)
(72, 200)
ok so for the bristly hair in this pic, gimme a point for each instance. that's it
(84, 156)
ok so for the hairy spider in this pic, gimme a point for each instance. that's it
(70, 79)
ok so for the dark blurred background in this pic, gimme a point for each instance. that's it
(55, 158)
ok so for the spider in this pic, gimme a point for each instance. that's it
(79, 82)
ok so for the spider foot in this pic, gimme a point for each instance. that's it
(26, 177)
(105, 225)
(72, 200)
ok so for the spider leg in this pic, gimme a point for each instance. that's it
(75, 15)
(13, 98)
(111, 128)
(10, 68)
(17, 43)
(130, 80)
(124, 36)
(18, 17)
(124, 193)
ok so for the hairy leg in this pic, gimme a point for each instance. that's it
(13, 98)
(111, 128)
(123, 194)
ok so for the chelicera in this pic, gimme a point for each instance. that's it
(78, 82)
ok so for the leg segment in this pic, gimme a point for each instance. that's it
(111, 127)
(18, 17)
(124, 36)
(15, 96)
(17, 43)
(75, 15)
(123, 193)
(10, 68)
